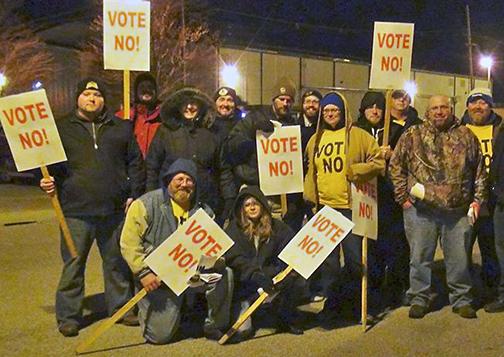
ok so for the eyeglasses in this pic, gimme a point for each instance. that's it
(331, 110)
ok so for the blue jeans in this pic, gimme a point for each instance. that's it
(159, 312)
(423, 227)
(116, 274)
(499, 246)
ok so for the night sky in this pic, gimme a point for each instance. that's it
(336, 28)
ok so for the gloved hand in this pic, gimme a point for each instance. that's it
(418, 191)
(287, 281)
(264, 125)
(264, 282)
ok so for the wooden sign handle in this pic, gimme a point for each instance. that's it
(126, 90)
(364, 283)
(278, 278)
(386, 123)
(61, 218)
(105, 325)
(283, 202)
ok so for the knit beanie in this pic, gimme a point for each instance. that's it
(370, 99)
(222, 91)
(480, 93)
(284, 87)
(90, 83)
(308, 93)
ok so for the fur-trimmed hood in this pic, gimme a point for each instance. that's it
(170, 109)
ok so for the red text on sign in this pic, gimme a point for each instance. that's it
(367, 189)
(35, 138)
(201, 236)
(310, 246)
(122, 18)
(126, 43)
(281, 168)
(394, 40)
(393, 63)
(26, 112)
(365, 210)
(279, 145)
(329, 228)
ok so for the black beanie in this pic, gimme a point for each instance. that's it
(370, 99)
(91, 83)
(308, 93)
(226, 91)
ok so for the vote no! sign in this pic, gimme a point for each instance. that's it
(175, 260)
(126, 35)
(365, 209)
(29, 126)
(279, 159)
(392, 52)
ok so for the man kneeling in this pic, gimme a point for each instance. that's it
(150, 221)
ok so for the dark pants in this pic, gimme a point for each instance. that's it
(116, 274)
(483, 230)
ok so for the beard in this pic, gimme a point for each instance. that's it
(182, 196)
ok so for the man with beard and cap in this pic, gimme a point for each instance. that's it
(440, 181)
(391, 251)
(485, 124)
(240, 146)
(151, 220)
(102, 176)
(145, 112)
(338, 154)
(188, 115)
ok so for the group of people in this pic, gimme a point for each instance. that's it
(130, 183)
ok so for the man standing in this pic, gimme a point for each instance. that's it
(150, 221)
(228, 115)
(101, 178)
(240, 147)
(440, 180)
(484, 123)
(145, 113)
(401, 112)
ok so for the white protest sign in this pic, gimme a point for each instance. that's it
(30, 129)
(280, 162)
(392, 51)
(365, 209)
(315, 241)
(175, 260)
(126, 35)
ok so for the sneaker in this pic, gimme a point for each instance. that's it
(494, 306)
(466, 311)
(68, 329)
(212, 333)
(417, 311)
(129, 320)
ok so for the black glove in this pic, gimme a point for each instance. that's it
(264, 282)
(288, 281)
(264, 125)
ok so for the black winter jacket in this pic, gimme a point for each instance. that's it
(104, 166)
(243, 257)
(192, 140)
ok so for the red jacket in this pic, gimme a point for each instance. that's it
(146, 125)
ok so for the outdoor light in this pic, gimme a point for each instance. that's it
(230, 75)
(36, 85)
(3, 81)
(411, 88)
(487, 62)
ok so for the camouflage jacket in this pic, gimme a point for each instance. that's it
(448, 163)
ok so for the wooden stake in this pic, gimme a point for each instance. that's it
(126, 90)
(283, 202)
(386, 123)
(67, 236)
(105, 325)
(364, 283)
(278, 278)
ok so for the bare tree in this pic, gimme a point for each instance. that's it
(183, 49)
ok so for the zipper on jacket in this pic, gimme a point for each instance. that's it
(94, 136)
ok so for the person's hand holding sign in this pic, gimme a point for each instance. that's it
(150, 282)
(47, 184)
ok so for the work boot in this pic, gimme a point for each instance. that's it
(212, 333)
(69, 329)
(494, 306)
(130, 319)
(417, 311)
(466, 311)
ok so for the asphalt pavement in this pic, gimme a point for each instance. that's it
(30, 263)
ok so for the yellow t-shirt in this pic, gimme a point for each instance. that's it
(180, 215)
(331, 169)
(485, 135)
